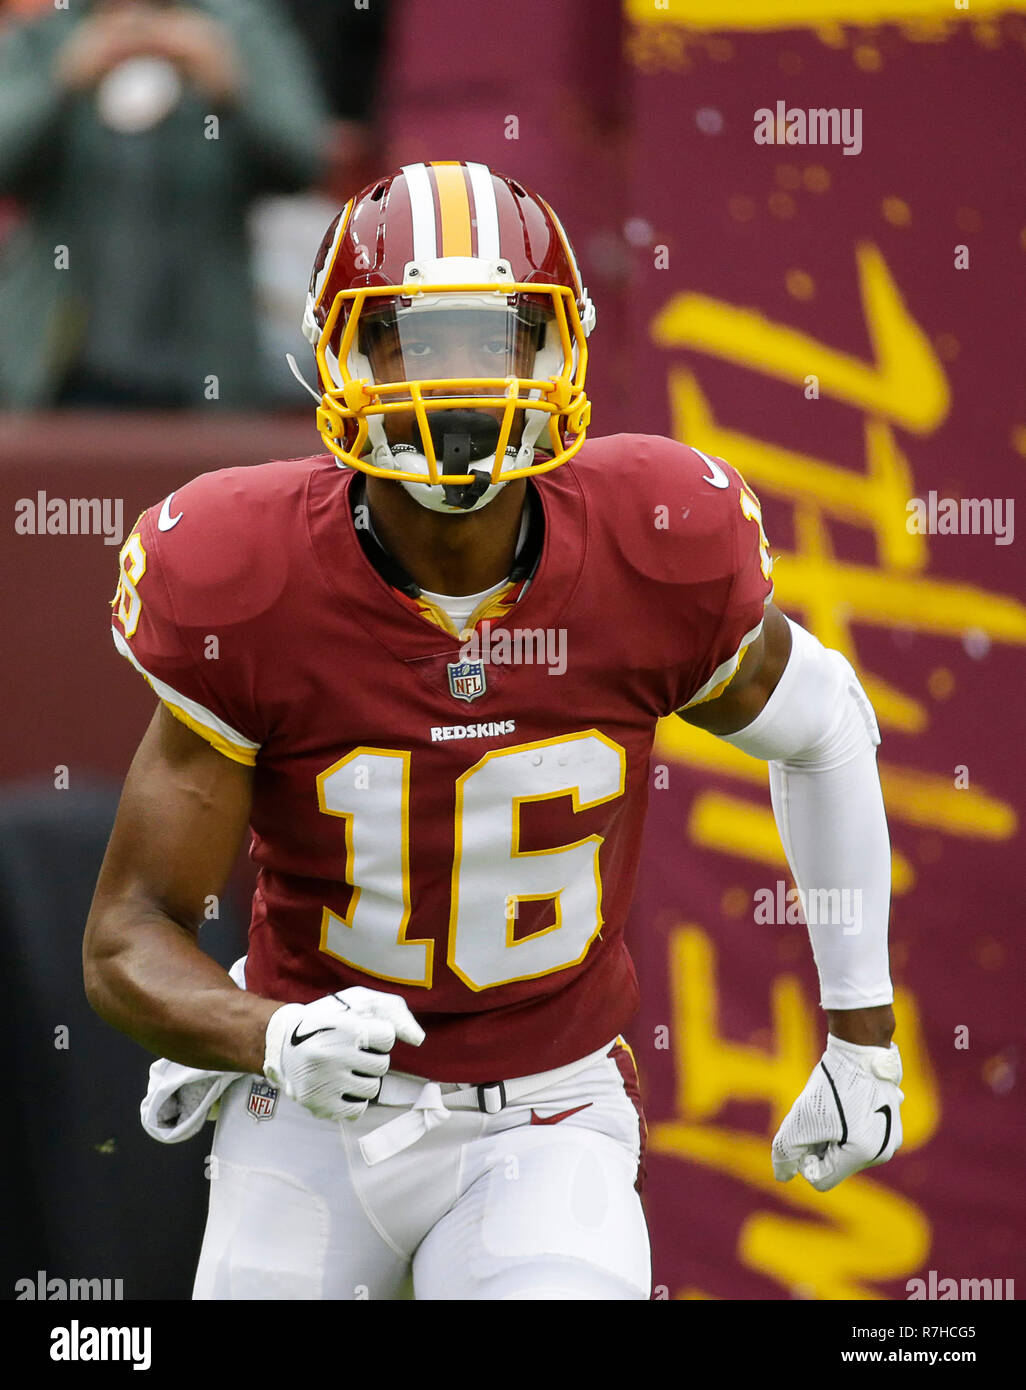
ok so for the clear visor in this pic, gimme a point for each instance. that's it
(487, 344)
(455, 374)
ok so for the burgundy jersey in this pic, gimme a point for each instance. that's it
(456, 818)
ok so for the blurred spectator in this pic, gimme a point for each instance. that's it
(21, 9)
(346, 44)
(135, 136)
(11, 10)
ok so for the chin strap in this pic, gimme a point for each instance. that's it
(465, 495)
(294, 369)
(456, 451)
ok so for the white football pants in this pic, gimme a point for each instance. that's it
(482, 1207)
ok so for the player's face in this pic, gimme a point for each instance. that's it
(451, 344)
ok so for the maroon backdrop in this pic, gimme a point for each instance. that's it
(783, 263)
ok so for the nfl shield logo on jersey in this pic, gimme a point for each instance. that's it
(263, 1098)
(466, 679)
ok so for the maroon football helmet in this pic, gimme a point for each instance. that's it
(449, 323)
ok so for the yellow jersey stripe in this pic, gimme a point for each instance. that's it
(727, 670)
(234, 751)
(628, 1049)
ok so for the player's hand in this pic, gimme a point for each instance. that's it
(331, 1055)
(848, 1117)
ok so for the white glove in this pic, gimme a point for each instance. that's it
(330, 1055)
(848, 1117)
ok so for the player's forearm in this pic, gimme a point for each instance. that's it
(834, 831)
(147, 977)
(818, 733)
(867, 1027)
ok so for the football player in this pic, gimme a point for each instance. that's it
(425, 669)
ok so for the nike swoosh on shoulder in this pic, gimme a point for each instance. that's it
(719, 478)
(537, 1119)
(166, 521)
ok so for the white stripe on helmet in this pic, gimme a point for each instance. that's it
(422, 206)
(486, 212)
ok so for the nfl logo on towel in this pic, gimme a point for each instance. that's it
(466, 679)
(263, 1098)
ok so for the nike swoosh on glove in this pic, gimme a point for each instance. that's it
(848, 1116)
(331, 1055)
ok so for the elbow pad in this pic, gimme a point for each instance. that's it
(818, 716)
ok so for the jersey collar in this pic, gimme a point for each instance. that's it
(524, 564)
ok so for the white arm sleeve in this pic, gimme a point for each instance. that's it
(819, 734)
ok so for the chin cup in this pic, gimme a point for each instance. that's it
(461, 437)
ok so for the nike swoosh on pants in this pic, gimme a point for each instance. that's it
(537, 1119)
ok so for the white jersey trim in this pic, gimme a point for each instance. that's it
(726, 669)
(197, 713)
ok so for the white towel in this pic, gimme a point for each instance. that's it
(179, 1100)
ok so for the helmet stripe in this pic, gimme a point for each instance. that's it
(486, 211)
(422, 208)
(329, 259)
(578, 283)
(453, 208)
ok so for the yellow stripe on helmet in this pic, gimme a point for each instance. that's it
(453, 208)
